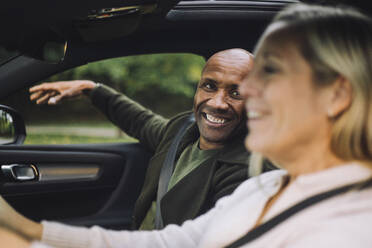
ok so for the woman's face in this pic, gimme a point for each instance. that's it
(287, 113)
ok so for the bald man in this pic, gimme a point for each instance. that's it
(210, 161)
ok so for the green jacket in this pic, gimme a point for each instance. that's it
(201, 188)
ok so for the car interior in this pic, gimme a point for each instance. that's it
(97, 184)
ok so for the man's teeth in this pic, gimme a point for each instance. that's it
(215, 120)
(254, 114)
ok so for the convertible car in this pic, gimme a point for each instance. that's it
(97, 184)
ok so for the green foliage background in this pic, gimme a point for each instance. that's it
(164, 83)
(171, 73)
(53, 139)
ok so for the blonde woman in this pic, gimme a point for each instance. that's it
(309, 99)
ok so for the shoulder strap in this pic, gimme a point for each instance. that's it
(267, 226)
(167, 169)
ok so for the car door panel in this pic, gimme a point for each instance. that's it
(77, 184)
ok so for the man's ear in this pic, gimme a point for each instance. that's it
(341, 98)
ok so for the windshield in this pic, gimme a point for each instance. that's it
(6, 54)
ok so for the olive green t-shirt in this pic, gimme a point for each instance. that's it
(190, 158)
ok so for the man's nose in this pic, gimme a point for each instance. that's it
(218, 101)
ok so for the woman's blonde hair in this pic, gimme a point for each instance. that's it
(336, 41)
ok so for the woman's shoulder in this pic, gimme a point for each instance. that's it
(343, 221)
(39, 245)
(266, 182)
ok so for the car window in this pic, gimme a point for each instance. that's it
(165, 83)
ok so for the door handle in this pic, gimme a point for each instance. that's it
(20, 172)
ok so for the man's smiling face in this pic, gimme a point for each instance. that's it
(218, 105)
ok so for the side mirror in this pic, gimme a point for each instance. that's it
(12, 126)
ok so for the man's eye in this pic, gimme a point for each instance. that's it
(235, 94)
(208, 86)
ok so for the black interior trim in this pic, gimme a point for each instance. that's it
(107, 201)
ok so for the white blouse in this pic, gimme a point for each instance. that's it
(341, 221)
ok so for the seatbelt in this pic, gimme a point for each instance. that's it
(167, 169)
(267, 226)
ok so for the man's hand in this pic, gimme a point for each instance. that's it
(11, 240)
(53, 93)
(17, 223)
